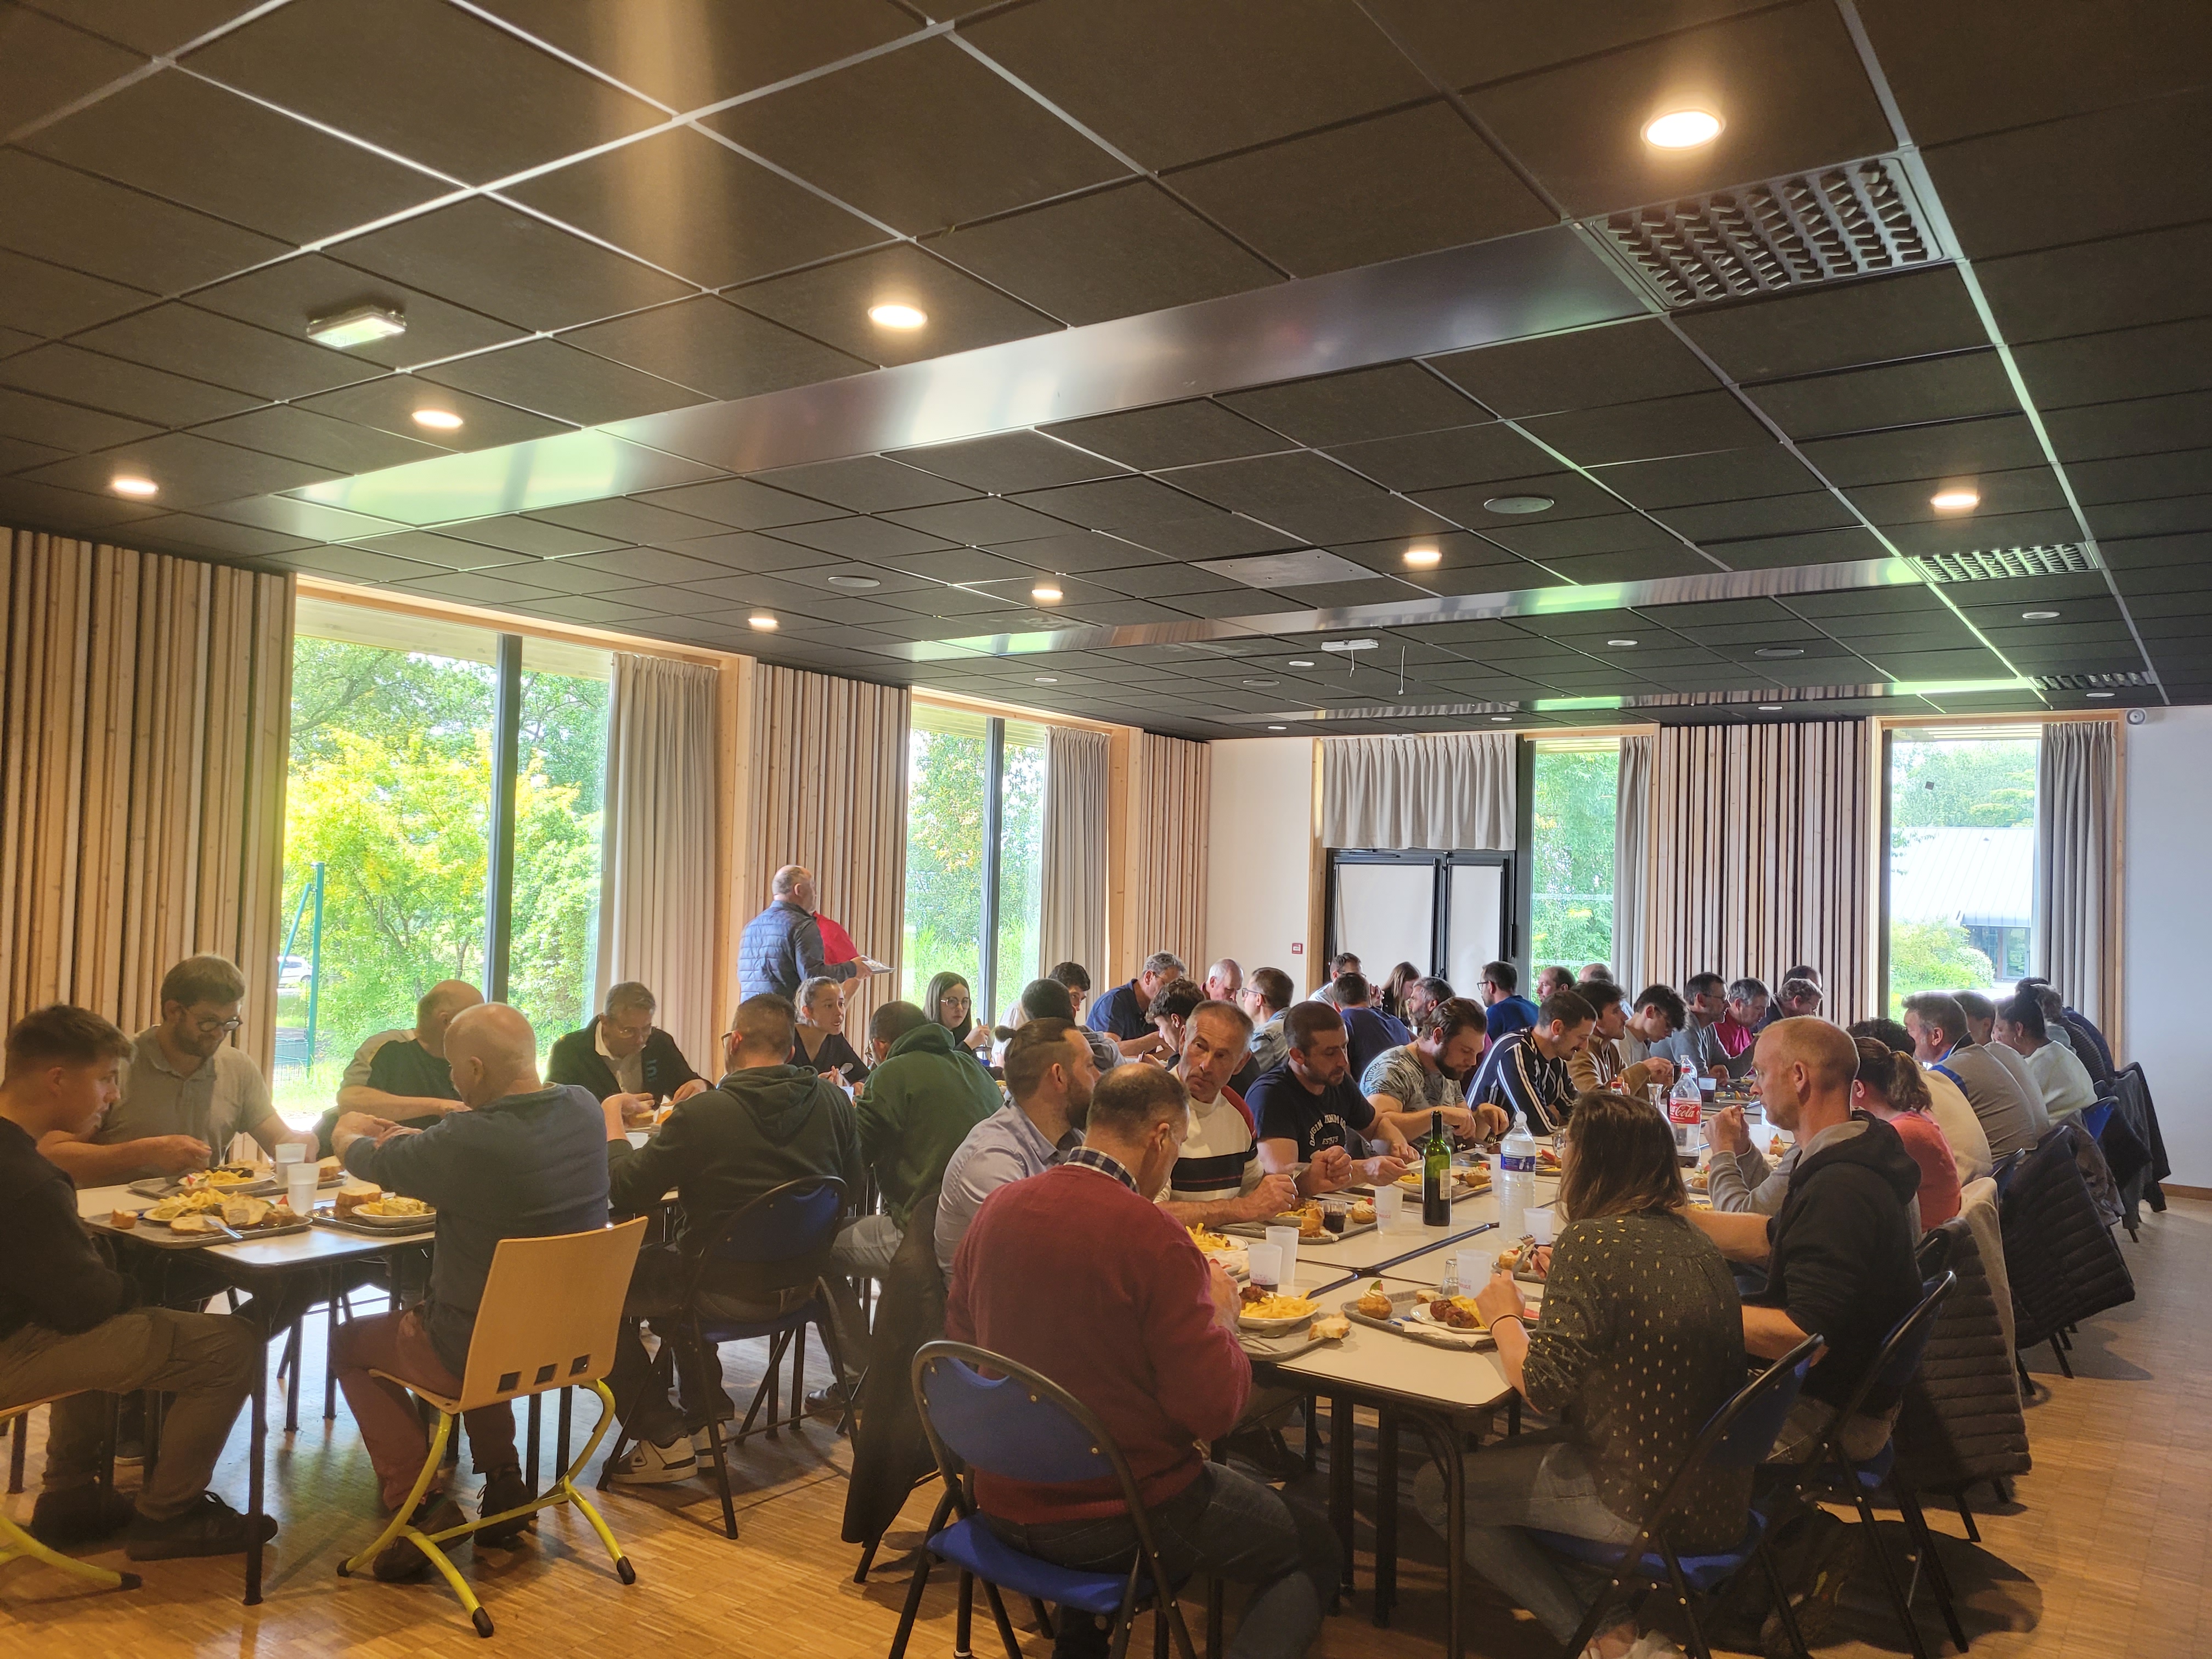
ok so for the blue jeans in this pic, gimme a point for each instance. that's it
(1530, 1482)
(1223, 1525)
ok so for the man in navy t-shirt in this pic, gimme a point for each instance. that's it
(1507, 1012)
(1370, 1030)
(1124, 1013)
(1310, 1112)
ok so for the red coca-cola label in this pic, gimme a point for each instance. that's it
(1685, 1111)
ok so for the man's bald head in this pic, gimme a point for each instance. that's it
(795, 882)
(493, 1052)
(437, 1007)
(1805, 1067)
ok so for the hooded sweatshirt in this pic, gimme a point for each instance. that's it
(757, 1129)
(1843, 1265)
(916, 1109)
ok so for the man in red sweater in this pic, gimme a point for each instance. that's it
(1076, 1274)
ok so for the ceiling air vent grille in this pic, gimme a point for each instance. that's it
(1854, 220)
(2130, 679)
(1995, 563)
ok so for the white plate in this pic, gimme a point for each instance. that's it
(1277, 1327)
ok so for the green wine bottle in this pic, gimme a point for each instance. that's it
(1436, 1175)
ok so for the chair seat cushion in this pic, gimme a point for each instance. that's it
(972, 1545)
(742, 1330)
(1703, 1572)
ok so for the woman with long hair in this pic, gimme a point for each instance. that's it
(1892, 1087)
(950, 1003)
(1639, 1341)
(818, 1038)
(1402, 977)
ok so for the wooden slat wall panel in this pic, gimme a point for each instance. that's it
(1170, 785)
(1760, 846)
(828, 782)
(143, 750)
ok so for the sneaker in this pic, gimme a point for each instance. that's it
(400, 1561)
(703, 1444)
(1652, 1646)
(79, 1515)
(1829, 1558)
(828, 1402)
(210, 1527)
(130, 1452)
(646, 1464)
(503, 1490)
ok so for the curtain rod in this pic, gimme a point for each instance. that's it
(506, 622)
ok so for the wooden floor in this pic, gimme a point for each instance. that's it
(2104, 1553)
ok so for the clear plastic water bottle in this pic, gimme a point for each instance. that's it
(1517, 1179)
(1686, 1111)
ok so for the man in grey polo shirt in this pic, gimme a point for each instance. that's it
(187, 1091)
(2011, 1118)
(1049, 1073)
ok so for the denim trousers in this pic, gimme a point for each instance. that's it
(1223, 1525)
(1529, 1481)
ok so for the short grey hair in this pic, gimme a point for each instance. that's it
(1745, 990)
(1163, 962)
(629, 995)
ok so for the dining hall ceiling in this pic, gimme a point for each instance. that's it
(1230, 306)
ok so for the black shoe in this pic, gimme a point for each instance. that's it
(1830, 1555)
(504, 1489)
(210, 1527)
(79, 1515)
(832, 1401)
(1081, 1636)
(399, 1561)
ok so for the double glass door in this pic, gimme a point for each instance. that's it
(1447, 913)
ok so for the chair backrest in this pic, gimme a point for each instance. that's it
(550, 1312)
(2094, 1118)
(2006, 1168)
(1019, 1423)
(1739, 1435)
(1939, 1246)
(790, 1228)
(1898, 1356)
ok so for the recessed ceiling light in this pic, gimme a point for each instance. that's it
(895, 315)
(131, 483)
(356, 327)
(1682, 129)
(1301, 662)
(438, 420)
(1519, 504)
(1770, 708)
(1422, 557)
(1954, 501)
(1263, 682)
(1779, 650)
(1501, 719)
(2100, 694)
(1279, 728)
(762, 621)
(2039, 615)
(1621, 642)
(852, 582)
(1045, 593)
(1048, 679)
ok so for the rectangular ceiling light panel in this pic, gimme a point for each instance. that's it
(1305, 568)
(1996, 563)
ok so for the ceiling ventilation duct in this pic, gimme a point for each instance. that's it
(1996, 564)
(1855, 220)
(2127, 680)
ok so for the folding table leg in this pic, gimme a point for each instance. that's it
(561, 1429)
(1339, 1479)
(534, 1417)
(1385, 1515)
(330, 1347)
(19, 1438)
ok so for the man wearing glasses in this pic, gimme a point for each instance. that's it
(187, 1091)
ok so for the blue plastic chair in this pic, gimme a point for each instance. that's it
(1739, 1435)
(1020, 1423)
(2094, 1118)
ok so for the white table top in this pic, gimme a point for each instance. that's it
(1377, 1363)
(317, 1244)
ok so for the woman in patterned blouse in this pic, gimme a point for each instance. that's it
(1640, 1341)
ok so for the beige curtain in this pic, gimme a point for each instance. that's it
(657, 849)
(1762, 854)
(1452, 791)
(2077, 908)
(1170, 782)
(828, 790)
(144, 740)
(1077, 781)
(1631, 851)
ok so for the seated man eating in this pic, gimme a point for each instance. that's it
(1309, 1108)
(523, 1161)
(1076, 1274)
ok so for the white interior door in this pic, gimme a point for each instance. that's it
(1475, 924)
(1385, 915)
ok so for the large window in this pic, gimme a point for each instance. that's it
(390, 822)
(1961, 859)
(1577, 783)
(975, 853)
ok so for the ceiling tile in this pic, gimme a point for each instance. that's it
(426, 80)
(2129, 362)
(311, 520)
(979, 523)
(306, 434)
(45, 299)
(504, 587)
(1572, 496)
(649, 564)
(1215, 536)
(1771, 515)
(1722, 475)
(567, 576)
(1432, 460)
(1116, 504)
(1807, 547)
(697, 207)
(1957, 386)
(1618, 533)
(1946, 449)
(690, 52)
(740, 503)
(148, 30)
(187, 530)
(175, 136)
(389, 405)
(1081, 551)
(1169, 435)
(2020, 489)
(632, 520)
(20, 454)
(1620, 363)
(1356, 521)
(709, 344)
(918, 138)
(1263, 484)
(2153, 518)
(145, 394)
(1916, 314)
(2089, 287)
(1787, 79)
(446, 552)
(496, 259)
(1397, 185)
(48, 66)
(1120, 252)
(287, 296)
(1984, 530)
(866, 483)
(1471, 41)
(104, 229)
(1664, 425)
(1391, 401)
(831, 303)
(745, 551)
(552, 379)
(191, 470)
(1008, 461)
(353, 564)
(186, 340)
(2101, 430)
(861, 537)
(541, 541)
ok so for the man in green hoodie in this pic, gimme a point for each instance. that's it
(767, 1122)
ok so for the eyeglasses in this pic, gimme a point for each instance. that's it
(210, 1027)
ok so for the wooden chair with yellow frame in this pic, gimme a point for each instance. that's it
(17, 1545)
(550, 1312)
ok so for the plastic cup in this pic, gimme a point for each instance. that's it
(1264, 1263)
(290, 1153)
(1473, 1268)
(1285, 1240)
(1389, 1205)
(300, 1183)
(1539, 1224)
